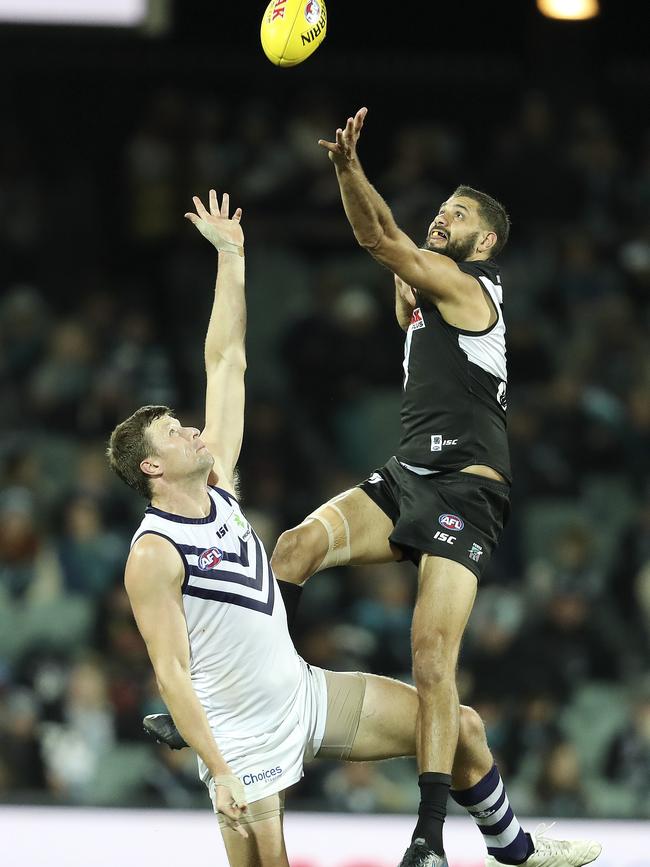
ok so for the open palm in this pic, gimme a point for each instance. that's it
(222, 231)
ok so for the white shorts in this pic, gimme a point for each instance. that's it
(269, 762)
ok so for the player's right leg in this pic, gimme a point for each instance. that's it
(349, 529)
(264, 846)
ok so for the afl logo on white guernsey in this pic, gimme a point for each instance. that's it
(451, 522)
(210, 559)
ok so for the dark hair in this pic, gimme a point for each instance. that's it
(129, 445)
(491, 212)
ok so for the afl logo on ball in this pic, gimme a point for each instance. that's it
(451, 522)
(210, 559)
(312, 11)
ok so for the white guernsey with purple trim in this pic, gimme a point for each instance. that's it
(266, 706)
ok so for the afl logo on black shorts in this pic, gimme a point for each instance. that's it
(451, 522)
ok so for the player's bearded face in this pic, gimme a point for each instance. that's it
(458, 249)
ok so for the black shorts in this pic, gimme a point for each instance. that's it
(458, 516)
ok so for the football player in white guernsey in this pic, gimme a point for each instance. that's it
(207, 605)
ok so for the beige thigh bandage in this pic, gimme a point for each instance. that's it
(338, 535)
(345, 694)
(266, 808)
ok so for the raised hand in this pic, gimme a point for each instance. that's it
(344, 150)
(224, 233)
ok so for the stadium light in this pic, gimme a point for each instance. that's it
(569, 10)
(112, 13)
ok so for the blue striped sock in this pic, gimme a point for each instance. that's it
(487, 803)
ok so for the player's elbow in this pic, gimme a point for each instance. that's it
(370, 238)
(369, 243)
(382, 250)
(228, 359)
(168, 674)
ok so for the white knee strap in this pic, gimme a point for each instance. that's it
(338, 535)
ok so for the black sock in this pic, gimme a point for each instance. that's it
(434, 791)
(291, 597)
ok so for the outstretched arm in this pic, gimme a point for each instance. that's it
(153, 577)
(225, 352)
(435, 277)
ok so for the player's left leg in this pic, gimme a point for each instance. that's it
(446, 592)
(477, 786)
(387, 728)
(264, 846)
(384, 726)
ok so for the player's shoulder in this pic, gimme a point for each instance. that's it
(482, 268)
(150, 544)
(152, 555)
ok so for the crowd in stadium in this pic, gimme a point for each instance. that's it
(113, 317)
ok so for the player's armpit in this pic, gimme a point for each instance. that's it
(227, 479)
(437, 278)
(405, 303)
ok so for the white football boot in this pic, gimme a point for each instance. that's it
(556, 853)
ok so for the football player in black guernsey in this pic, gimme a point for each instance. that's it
(443, 499)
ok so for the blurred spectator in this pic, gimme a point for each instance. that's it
(20, 749)
(73, 748)
(385, 609)
(571, 565)
(153, 162)
(173, 780)
(361, 787)
(91, 558)
(61, 382)
(576, 648)
(627, 760)
(560, 786)
(28, 567)
(534, 730)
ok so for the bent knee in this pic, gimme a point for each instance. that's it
(471, 729)
(298, 552)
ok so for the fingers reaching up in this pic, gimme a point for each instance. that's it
(215, 209)
(224, 232)
(344, 149)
